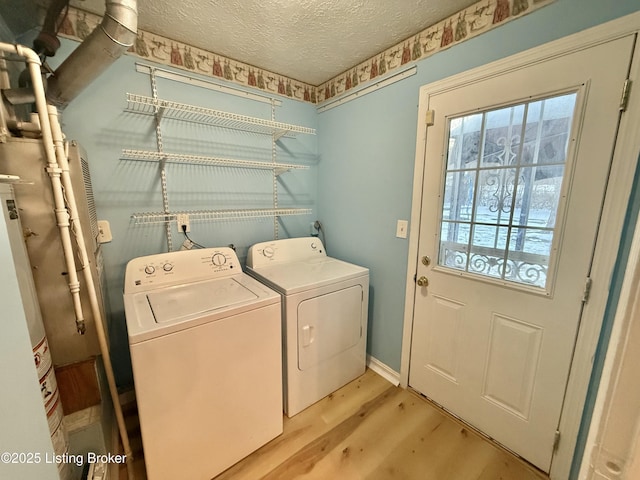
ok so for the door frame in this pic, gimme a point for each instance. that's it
(623, 167)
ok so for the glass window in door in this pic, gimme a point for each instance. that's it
(503, 187)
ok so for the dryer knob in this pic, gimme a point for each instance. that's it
(167, 267)
(268, 252)
(149, 269)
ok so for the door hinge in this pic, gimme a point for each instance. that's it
(430, 117)
(624, 99)
(587, 290)
(556, 440)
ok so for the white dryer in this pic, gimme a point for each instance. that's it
(205, 342)
(324, 315)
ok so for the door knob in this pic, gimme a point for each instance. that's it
(423, 282)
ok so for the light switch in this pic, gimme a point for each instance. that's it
(401, 228)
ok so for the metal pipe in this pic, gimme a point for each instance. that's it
(50, 131)
(47, 43)
(107, 42)
(19, 96)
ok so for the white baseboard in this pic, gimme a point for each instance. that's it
(383, 370)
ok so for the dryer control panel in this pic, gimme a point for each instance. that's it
(286, 250)
(177, 268)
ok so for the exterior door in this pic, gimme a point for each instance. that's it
(515, 173)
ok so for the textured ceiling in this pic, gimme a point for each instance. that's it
(308, 40)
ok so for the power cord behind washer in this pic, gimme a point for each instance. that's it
(193, 244)
(318, 226)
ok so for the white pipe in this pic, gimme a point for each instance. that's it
(54, 149)
(62, 215)
(63, 162)
(33, 126)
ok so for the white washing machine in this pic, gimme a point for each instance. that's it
(205, 343)
(324, 315)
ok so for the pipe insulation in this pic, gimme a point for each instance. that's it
(107, 42)
(53, 143)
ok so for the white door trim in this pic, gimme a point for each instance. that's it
(615, 424)
(624, 321)
(624, 165)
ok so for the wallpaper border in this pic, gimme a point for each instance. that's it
(468, 23)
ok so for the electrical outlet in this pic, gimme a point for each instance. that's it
(104, 232)
(182, 219)
(401, 228)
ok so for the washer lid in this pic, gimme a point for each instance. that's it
(299, 276)
(164, 311)
(175, 303)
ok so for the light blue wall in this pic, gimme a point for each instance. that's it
(96, 119)
(367, 153)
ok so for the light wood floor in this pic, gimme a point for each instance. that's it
(372, 430)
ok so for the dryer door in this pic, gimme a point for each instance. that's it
(329, 325)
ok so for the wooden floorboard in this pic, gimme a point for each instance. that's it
(371, 430)
(78, 386)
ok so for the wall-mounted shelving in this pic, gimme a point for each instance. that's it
(160, 109)
(206, 116)
(204, 215)
(151, 156)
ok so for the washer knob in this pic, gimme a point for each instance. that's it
(268, 252)
(149, 269)
(167, 267)
(218, 259)
(313, 245)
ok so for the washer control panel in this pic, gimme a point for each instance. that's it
(286, 250)
(175, 268)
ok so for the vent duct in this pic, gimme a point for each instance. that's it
(107, 42)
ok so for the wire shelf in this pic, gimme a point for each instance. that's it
(195, 215)
(190, 113)
(151, 156)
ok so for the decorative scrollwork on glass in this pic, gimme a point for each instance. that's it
(523, 270)
(497, 189)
